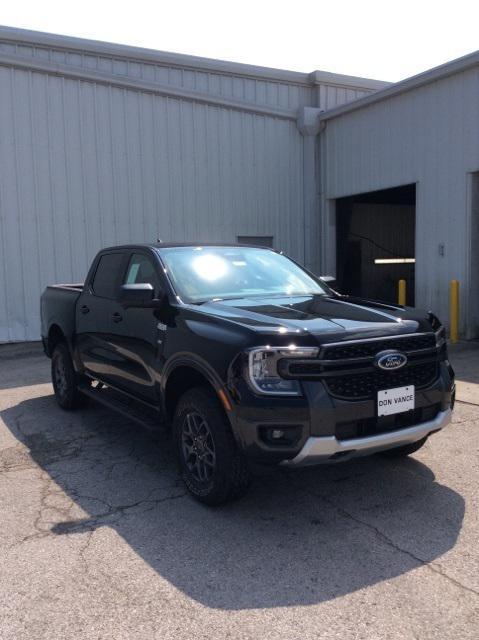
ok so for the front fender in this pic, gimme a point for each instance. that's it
(192, 360)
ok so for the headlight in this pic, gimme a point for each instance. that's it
(263, 373)
(438, 328)
(440, 337)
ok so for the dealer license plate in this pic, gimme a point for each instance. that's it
(395, 400)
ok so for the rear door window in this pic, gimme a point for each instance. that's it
(106, 276)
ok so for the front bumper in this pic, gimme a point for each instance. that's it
(329, 449)
(332, 429)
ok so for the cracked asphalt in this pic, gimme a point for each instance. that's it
(98, 539)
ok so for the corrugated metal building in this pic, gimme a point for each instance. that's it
(103, 144)
(415, 146)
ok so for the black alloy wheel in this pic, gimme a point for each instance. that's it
(212, 466)
(198, 447)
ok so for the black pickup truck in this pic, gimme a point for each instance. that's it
(248, 357)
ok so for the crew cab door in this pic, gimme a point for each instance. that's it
(93, 314)
(137, 334)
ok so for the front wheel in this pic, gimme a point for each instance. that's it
(212, 467)
(64, 379)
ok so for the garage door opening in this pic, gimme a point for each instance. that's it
(375, 243)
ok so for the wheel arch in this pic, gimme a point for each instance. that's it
(187, 372)
(55, 335)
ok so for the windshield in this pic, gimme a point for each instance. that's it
(199, 274)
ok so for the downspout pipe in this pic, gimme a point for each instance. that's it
(310, 125)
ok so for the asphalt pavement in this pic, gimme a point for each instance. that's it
(99, 540)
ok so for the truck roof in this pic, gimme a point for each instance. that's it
(167, 245)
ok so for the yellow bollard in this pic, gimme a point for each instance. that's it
(402, 292)
(454, 311)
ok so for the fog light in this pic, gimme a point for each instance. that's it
(279, 435)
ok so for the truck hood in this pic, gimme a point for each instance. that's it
(328, 318)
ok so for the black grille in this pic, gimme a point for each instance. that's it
(305, 369)
(370, 349)
(366, 385)
(375, 426)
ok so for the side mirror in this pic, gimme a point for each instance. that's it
(136, 295)
(329, 280)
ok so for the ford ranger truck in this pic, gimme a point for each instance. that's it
(247, 358)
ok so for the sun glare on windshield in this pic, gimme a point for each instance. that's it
(210, 267)
(225, 272)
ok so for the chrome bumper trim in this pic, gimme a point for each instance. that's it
(317, 450)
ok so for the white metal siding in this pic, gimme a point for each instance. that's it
(84, 166)
(87, 162)
(260, 91)
(330, 96)
(428, 136)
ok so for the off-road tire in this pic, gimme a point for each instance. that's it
(230, 476)
(65, 380)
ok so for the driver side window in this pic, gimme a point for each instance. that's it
(142, 270)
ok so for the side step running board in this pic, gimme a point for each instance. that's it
(128, 407)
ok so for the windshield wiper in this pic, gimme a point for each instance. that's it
(260, 295)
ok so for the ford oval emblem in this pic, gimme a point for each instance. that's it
(390, 360)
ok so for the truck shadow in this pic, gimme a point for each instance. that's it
(298, 538)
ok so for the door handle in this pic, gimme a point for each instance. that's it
(84, 309)
(117, 317)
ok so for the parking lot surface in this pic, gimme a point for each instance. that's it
(99, 540)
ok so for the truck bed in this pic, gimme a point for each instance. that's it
(58, 309)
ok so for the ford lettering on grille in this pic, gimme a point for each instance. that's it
(390, 360)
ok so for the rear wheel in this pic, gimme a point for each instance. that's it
(65, 379)
(405, 450)
(212, 467)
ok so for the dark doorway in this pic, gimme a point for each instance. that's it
(375, 236)
(472, 326)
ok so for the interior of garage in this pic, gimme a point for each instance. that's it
(473, 320)
(375, 243)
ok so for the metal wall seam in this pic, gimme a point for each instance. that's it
(97, 77)
(282, 89)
